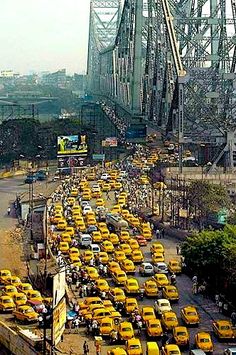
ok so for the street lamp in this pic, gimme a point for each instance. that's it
(45, 238)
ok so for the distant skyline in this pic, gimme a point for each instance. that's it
(44, 35)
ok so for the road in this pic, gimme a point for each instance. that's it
(206, 307)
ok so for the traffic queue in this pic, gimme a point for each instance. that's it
(20, 299)
(99, 238)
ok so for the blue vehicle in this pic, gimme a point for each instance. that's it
(30, 179)
(41, 175)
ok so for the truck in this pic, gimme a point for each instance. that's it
(116, 221)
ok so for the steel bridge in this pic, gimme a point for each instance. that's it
(170, 64)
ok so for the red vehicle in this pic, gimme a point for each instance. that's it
(141, 240)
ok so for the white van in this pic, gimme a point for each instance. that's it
(116, 221)
(95, 248)
(85, 240)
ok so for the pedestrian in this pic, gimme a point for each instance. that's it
(157, 233)
(233, 318)
(164, 339)
(163, 233)
(98, 348)
(108, 195)
(85, 348)
(76, 323)
(177, 249)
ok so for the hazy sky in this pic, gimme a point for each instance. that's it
(44, 35)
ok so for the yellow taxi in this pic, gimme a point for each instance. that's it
(100, 202)
(64, 247)
(106, 187)
(175, 266)
(181, 336)
(91, 221)
(76, 214)
(89, 301)
(125, 331)
(170, 292)
(102, 285)
(70, 201)
(116, 294)
(105, 233)
(74, 252)
(116, 351)
(91, 177)
(131, 286)
(152, 348)
(87, 256)
(157, 258)
(169, 320)
(56, 218)
(133, 244)
(61, 225)
(150, 288)
(96, 194)
(114, 239)
(112, 266)
(107, 246)
(76, 208)
(147, 234)
(92, 273)
(124, 236)
(121, 201)
(125, 213)
(34, 295)
(130, 305)
(170, 349)
(97, 237)
(134, 221)
(9, 290)
(112, 184)
(223, 329)
(119, 277)
(116, 209)
(58, 209)
(74, 192)
(133, 347)
(6, 304)
(80, 226)
(119, 255)
(12, 280)
(189, 315)
(102, 257)
(106, 326)
(154, 328)
(157, 248)
(137, 256)
(125, 248)
(24, 287)
(83, 184)
(70, 231)
(65, 237)
(203, 341)
(161, 280)
(86, 196)
(20, 299)
(143, 180)
(147, 313)
(25, 314)
(128, 266)
(4, 274)
(118, 186)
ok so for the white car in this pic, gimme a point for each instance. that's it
(105, 176)
(146, 269)
(161, 268)
(96, 188)
(162, 305)
(84, 203)
(86, 210)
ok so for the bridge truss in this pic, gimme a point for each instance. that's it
(172, 64)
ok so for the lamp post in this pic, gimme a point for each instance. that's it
(45, 239)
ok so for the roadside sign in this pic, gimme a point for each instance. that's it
(98, 156)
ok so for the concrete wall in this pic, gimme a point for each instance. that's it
(14, 342)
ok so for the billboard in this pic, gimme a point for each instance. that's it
(58, 321)
(59, 287)
(109, 142)
(70, 162)
(136, 132)
(72, 145)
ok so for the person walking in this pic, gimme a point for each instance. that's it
(98, 348)
(177, 249)
(85, 348)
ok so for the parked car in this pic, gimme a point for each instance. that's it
(161, 268)
(146, 269)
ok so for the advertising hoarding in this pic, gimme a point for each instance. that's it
(70, 162)
(110, 142)
(72, 145)
(99, 157)
(59, 321)
(59, 287)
